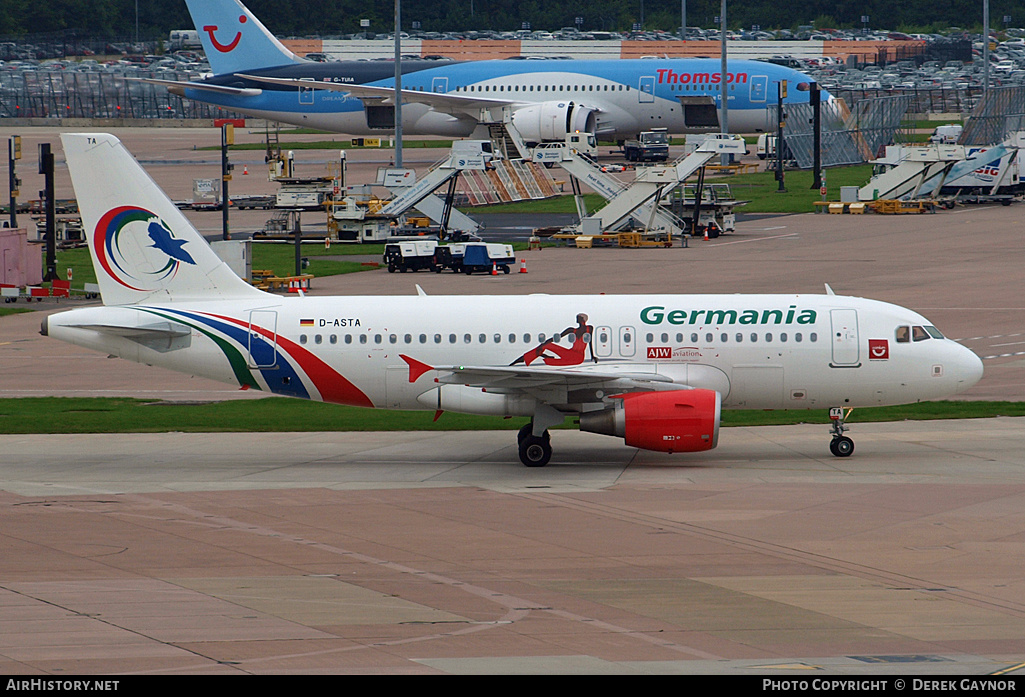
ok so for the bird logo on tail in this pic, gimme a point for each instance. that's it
(120, 246)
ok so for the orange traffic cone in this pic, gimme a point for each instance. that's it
(494, 269)
(245, 170)
(523, 266)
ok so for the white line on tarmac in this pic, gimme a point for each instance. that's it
(759, 239)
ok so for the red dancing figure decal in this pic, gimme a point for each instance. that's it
(551, 353)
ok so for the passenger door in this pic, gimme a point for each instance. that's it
(846, 348)
(646, 89)
(263, 347)
(759, 88)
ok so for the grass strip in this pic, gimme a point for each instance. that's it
(33, 415)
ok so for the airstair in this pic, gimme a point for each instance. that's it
(910, 168)
(637, 202)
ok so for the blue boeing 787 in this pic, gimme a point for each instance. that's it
(256, 75)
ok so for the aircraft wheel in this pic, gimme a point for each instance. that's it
(535, 451)
(842, 446)
(528, 430)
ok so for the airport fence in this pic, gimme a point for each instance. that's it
(924, 100)
(999, 114)
(98, 95)
(848, 135)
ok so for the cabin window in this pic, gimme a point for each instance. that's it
(740, 337)
(526, 338)
(303, 339)
(783, 337)
(423, 338)
(318, 339)
(798, 337)
(754, 337)
(377, 338)
(665, 337)
(724, 337)
(392, 339)
(768, 337)
(679, 338)
(903, 335)
(694, 338)
(467, 338)
(348, 338)
(649, 337)
(708, 338)
(437, 338)
(451, 338)
(498, 338)
(512, 338)
(540, 338)
(408, 338)
(813, 337)
(362, 338)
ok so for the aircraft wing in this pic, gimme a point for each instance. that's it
(439, 101)
(178, 87)
(526, 378)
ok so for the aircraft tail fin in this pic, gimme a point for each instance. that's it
(234, 39)
(143, 248)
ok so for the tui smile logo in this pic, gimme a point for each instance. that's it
(137, 249)
(228, 47)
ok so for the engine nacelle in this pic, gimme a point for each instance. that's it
(679, 421)
(553, 121)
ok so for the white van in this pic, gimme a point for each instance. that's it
(947, 135)
(766, 146)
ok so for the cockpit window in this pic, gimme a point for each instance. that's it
(903, 335)
(933, 332)
(919, 334)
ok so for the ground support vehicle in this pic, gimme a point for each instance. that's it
(411, 256)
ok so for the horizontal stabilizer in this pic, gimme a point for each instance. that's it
(159, 336)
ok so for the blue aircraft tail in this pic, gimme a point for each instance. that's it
(234, 39)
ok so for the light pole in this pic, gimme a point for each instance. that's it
(723, 76)
(398, 83)
(781, 94)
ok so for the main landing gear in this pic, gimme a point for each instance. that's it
(535, 451)
(841, 445)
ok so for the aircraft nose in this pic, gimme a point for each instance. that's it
(969, 369)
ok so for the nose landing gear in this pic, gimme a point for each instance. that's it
(841, 445)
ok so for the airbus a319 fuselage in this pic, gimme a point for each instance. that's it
(653, 369)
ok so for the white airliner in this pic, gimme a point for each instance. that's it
(654, 369)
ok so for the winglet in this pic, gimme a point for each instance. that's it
(416, 368)
(829, 291)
